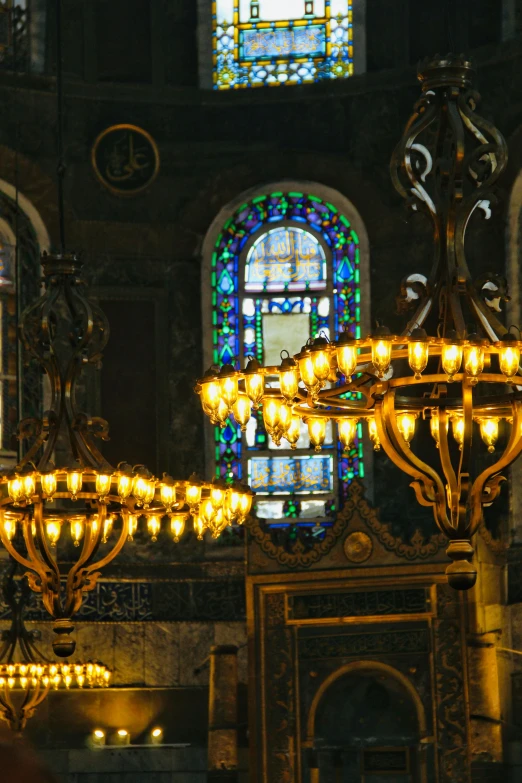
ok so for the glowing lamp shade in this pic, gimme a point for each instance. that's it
(229, 390)
(435, 427)
(29, 485)
(245, 504)
(193, 494)
(451, 356)
(489, 432)
(98, 737)
(210, 394)
(48, 481)
(15, 488)
(177, 526)
(271, 413)
(285, 418)
(122, 737)
(241, 411)
(418, 351)
(103, 484)
(289, 383)
(381, 349)
(293, 433)
(509, 357)
(320, 359)
(132, 522)
(168, 495)
(74, 482)
(156, 736)
(406, 425)
(124, 486)
(77, 529)
(199, 527)
(221, 414)
(254, 383)
(306, 370)
(346, 358)
(140, 488)
(457, 428)
(347, 431)
(473, 360)
(9, 525)
(53, 528)
(317, 431)
(217, 495)
(154, 526)
(374, 435)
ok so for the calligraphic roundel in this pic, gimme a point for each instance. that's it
(125, 159)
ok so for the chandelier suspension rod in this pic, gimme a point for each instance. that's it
(59, 117)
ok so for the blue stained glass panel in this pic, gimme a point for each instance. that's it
(306, 474)
(257, 44)
(285, 258)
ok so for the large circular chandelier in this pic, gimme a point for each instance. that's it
(450, 381)
(84, 500)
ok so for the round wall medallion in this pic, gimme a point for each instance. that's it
(125, 159)
(358, 547)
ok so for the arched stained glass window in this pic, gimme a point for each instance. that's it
(272, 42)
(285, 266)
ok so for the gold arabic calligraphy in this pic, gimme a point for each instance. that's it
(124, 161)
(286, 254)
(285, 474)
(270, 43)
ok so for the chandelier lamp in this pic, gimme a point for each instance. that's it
(26, 676)
(45, 507)
(442, 398)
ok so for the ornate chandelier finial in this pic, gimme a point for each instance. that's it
(455, 363)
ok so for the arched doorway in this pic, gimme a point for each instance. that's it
(365, 725)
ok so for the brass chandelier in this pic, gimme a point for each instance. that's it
(26, 676)
(454, 368)
(97, 504)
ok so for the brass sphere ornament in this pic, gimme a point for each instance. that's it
(451, 379)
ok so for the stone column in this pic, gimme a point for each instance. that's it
(484, 698)
(222, 715)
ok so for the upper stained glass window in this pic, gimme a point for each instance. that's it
(285, 267)
(273, 42)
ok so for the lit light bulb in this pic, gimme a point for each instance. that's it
(509, 356)
(77, 529)
(241, 411)
(489, 432)
(53, 528)
(254, 382)
(435, 426)
(193, 493)
(154, 526)
(245, 504)
(140, 488)
(217, 494)
(373, 434)
(48, 482)
(132, 524)
(29, 485)
(317, 431)
(457, 428)
(346, 354)
(103, 484)
(124, 486)
(288, 379)
(451, 355)
(177, 526)
(473, 360)
(418, 351)
(206, 511)
(15, 489)
(271, 413)
(221, 414)
(347, 430)
(284, 418)
(167, 495)
(406, 425)
(150, 491)
(232, 503)
(293, 433)
(320, 359)
(107, 528)
(74, 483)
(199, 527)
(210, 394)
(381, 350)
(306, 370)
(9, 525)
(228, 385)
